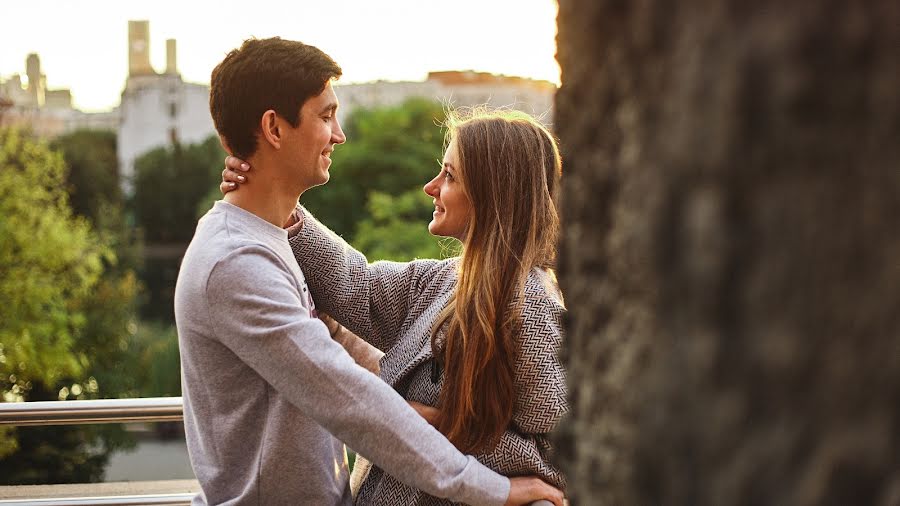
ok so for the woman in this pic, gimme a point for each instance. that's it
(473, 339)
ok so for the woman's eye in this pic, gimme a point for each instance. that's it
(448, 175)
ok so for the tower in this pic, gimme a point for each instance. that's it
(171, 66)
(35, 79)
(139, 48)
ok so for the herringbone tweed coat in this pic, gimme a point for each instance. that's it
(394, 305)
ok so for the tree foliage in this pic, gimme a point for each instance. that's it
(93, 177)
(49, 260)
(396, 228)
(94, 189)
(170, 183)
(67, 310)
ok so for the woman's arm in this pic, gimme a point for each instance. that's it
(372, 300)
(364, 354)
(540, 394)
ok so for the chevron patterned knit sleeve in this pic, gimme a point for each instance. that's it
(540, 391)
(372, 300)
(540, 377)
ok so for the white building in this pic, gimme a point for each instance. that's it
(47, 113)
(157, 109)
(160, 109)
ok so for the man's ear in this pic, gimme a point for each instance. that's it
(224, 144)
(270, 126)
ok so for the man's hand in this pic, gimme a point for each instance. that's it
(233, 175)
(527, 489)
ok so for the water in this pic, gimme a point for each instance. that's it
(151, 460)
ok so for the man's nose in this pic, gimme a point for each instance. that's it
(337, 135)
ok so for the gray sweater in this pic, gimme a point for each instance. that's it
(269, 396)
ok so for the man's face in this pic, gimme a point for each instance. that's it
(312, 142)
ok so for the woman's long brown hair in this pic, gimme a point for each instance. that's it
(509, 166)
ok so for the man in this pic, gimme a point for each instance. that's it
(268, 395)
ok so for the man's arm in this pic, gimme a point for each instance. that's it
(256, 312)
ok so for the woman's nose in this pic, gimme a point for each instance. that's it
(430, 188)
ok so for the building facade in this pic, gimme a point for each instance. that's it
(157, 109)
(161, 109)
(454, 89)
(47, 113)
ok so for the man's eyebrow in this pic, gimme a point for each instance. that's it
(329, 108)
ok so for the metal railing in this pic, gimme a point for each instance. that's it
(124, 500)
(152, 409)
(149, 409)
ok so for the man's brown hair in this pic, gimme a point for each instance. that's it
(265, 74)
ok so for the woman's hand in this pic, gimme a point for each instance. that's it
(233, 175)
(429, 413)
(528, 489)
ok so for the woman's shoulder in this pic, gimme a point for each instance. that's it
(540, 376)
(436, 272)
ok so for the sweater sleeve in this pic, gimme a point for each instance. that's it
(372, 300)
(525, 448)
(256, 311)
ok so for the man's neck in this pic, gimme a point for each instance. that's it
(265, 198)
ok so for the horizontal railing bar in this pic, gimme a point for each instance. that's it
(124, 500)
(148, 409)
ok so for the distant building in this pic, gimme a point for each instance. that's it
(161, 109)
(454, 88)
(157, 109)
(47, 113)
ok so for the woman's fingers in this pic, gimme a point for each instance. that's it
(226, 187)
(231, 175)
(236, 164)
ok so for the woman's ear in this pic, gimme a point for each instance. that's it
(270, 126)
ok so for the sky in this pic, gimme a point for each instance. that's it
(83, 44)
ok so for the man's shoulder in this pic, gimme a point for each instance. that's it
(217, 253)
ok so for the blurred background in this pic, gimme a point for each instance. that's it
(108, 158)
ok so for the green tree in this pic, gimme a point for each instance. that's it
(49, 259)
(55, 321)
(95, 192)
(391, 150)
(396, 228)
(93, 177)
(170, 183)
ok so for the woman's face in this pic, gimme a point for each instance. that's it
(451, 206)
